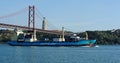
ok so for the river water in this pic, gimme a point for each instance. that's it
(37, 54)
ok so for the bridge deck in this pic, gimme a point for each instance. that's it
(3, 25)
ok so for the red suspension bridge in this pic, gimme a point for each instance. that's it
(31, 22)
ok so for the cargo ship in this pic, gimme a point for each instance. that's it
(20, 38)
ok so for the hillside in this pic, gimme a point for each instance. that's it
(110, 37)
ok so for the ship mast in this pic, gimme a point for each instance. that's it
(86, 36)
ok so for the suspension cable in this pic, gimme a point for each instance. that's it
(39, 16)
(39, 12)
(13, 14)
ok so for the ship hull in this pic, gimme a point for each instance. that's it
(38, 43)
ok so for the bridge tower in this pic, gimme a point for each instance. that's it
(31, 22)
(31, 17)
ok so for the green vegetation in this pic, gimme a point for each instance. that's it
(5, 35)
(103, 37)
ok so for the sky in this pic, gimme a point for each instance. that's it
(74, 15)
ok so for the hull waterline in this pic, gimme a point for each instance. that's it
(38, 43)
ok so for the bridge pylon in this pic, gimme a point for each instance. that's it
(31, 17)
